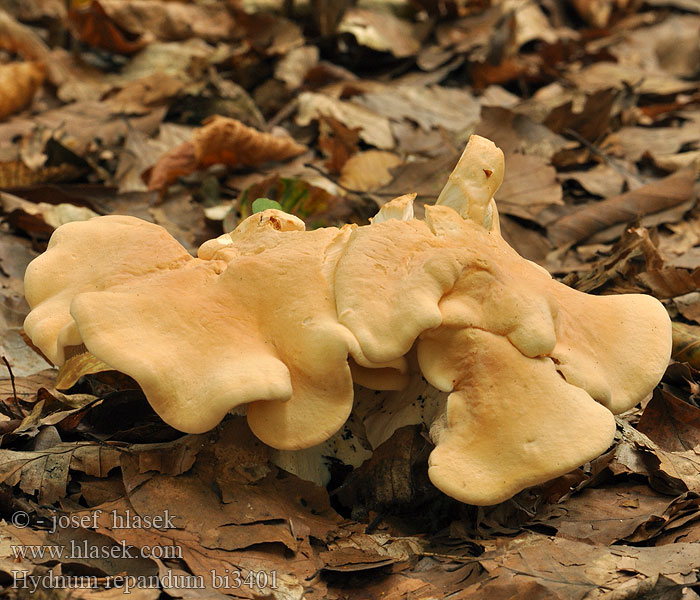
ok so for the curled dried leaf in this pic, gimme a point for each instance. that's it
(82, 363)
(15, 37)
(92, 25)
(599, 13)
(650, 199)
(686, 343)
(221, 140)
(18, 84)
(369, 170)
(228, 141)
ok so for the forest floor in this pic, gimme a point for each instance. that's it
(127, 107)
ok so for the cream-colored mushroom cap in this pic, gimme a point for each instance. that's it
(511, 422)
(90, 256)
(204, 336)
(474, 181)
(283, 319)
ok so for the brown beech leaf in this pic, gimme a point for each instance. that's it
(81, 363)
(671, 423)
(221, 140)
(337, 141)
(601, 75)
(47, 471)
(598, 13)
(381, 31)
(367, 171)
(93, 26)
(634, 142)
(484, 73)
(672, 473)
(15, 37)
(228, 141)
(395, 477)
(649, 199)
(26, 389)
(535, 566)
(634, 264)
(178, 161)
(602, 180)
(591, 121)
(18, 84)
(601, 516)
(686, 344)
(669, 282)
(38, 10)
(374, 128)
(529, 187)
(689, 306)
(104, 557)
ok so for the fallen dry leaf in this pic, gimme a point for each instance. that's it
(25, 389)
(294, 66)
(424, 177)
(689, 306)
(314, 205)
(604, 515)
(673, 424)
(367, 171)
(634, 264)
(597, 217)
(514, 132)
(669, 472)
(686, 343)
(16, 37)
(453, 110)
(42, 218)
(47, 471)
(602, 75)
(93, 26)
(529, 187)
(169, 21)
(381, 31)
(374, 129)
(269, 34)
(668, 45)
(634, 142)
(18, 84)
(35, 10)
(338, 142)
(599, 12)
(591, 121)
(602, 180)
(536, 566)
(81, 363)
(141, 149)
(221, 140)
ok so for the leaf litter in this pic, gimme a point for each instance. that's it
(596, 107)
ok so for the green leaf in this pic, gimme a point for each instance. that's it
(262, 204)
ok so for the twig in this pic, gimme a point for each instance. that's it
(329, 177)
(12, 377)
(286, 111)
(607, 159)
(375, 523)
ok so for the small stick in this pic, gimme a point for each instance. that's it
(12, 377)
(607, 159)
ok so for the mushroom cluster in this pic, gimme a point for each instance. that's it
(285, 320)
